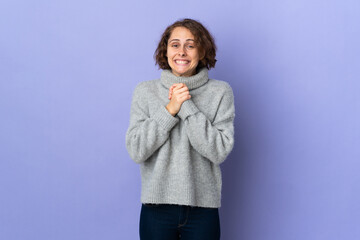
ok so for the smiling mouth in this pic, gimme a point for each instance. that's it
(182, 62)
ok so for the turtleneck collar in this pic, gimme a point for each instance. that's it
(192, 82)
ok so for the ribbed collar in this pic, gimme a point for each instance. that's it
(195, 81)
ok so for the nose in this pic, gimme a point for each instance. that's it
(182, 52)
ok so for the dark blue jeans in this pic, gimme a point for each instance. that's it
(172, 222)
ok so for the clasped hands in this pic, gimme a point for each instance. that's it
(178, 93)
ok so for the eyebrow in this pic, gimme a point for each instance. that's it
(179, 40)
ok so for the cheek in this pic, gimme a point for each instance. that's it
(196, 56)
(169, 53)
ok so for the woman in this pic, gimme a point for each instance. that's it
(181, 129)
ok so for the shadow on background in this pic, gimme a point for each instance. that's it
(239, 171)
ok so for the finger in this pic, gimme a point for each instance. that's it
(181, 90)
(181, 95)
(178, 85)
(177, 88)
(171, 91)
(184, 97)
(172, 87)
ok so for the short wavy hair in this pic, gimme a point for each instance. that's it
(204, 40)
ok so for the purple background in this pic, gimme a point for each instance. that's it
(67, 73)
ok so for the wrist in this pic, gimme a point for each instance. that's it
(170, 110)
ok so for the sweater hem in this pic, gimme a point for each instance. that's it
(184, 203)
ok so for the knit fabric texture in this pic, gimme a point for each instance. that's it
(180, 156)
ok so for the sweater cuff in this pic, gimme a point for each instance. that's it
(187, 108)
(165, 119)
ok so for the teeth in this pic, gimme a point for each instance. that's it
(181, 62)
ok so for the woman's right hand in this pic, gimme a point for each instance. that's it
(178, 93)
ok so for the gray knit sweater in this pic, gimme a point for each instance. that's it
(179, 156)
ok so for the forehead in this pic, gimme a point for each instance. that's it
(181, 33)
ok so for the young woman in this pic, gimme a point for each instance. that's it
(181, 129)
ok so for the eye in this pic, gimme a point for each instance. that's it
(175, 45)
(190, 46)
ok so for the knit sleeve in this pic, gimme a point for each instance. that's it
(147, 132)
(213, 140)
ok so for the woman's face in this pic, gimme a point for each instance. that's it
(182, 52)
